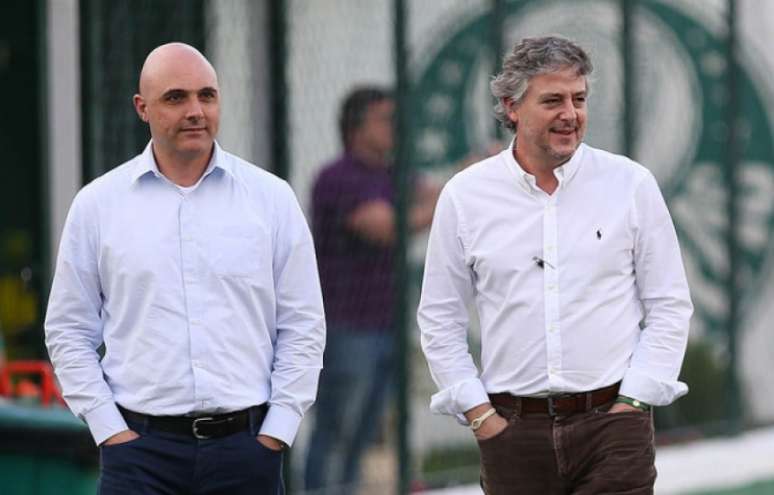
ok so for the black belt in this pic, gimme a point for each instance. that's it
(559, 405)
(201, 427)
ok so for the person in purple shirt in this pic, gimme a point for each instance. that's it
(353, 224)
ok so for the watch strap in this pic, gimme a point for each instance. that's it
(633, 402)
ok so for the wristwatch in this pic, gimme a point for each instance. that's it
(633, 402)
(476, 423)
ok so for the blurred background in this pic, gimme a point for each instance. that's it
(682, 86)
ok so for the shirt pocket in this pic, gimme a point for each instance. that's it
(240, 252)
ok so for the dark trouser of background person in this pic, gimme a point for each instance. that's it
(355, 384)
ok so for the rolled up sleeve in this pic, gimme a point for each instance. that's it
(660, 276)
(447, 290)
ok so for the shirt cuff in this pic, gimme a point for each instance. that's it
(459, 398)
(281, 423)
(105, 421)
(649, 390)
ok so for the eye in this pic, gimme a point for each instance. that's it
(207, 95)
(174, 97)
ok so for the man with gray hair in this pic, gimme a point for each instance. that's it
(572, 262)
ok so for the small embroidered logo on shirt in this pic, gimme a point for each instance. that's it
(599, 234)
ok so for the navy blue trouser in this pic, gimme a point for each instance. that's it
(166, 463)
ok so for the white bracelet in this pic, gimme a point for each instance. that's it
(476, 423)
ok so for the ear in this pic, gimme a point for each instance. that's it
(512, 109)
(140, 107)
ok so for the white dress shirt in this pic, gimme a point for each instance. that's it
(207, 300)
(610, 260)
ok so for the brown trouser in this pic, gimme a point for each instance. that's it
(587, 453)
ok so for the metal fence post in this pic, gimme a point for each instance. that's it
(733, 397)
(401, 170)
(278, 54)
(497, 24)
(627, 58)
(279, 105)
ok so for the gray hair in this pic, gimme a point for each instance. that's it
(531, 57)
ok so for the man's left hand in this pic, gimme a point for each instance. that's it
(270, 443)
(620, 407)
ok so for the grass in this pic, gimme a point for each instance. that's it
(757, 488)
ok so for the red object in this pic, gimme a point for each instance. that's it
(26, 388)
(48, 389)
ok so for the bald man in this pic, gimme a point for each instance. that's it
(196, 272)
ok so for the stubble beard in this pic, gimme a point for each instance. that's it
(557, 156)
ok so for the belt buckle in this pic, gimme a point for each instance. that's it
(195, 428)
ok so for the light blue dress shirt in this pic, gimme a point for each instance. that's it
(207, 299)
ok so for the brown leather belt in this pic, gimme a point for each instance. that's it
(202, 427)
(558, 405)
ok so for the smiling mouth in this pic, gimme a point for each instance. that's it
(564, 132)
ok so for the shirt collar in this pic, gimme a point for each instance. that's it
(146, 163)
(566, 172)
(527, 181)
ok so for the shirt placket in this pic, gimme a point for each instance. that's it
(551, 292)
(189, 256)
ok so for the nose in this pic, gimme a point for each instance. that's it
(568, 111)
(194, 110)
